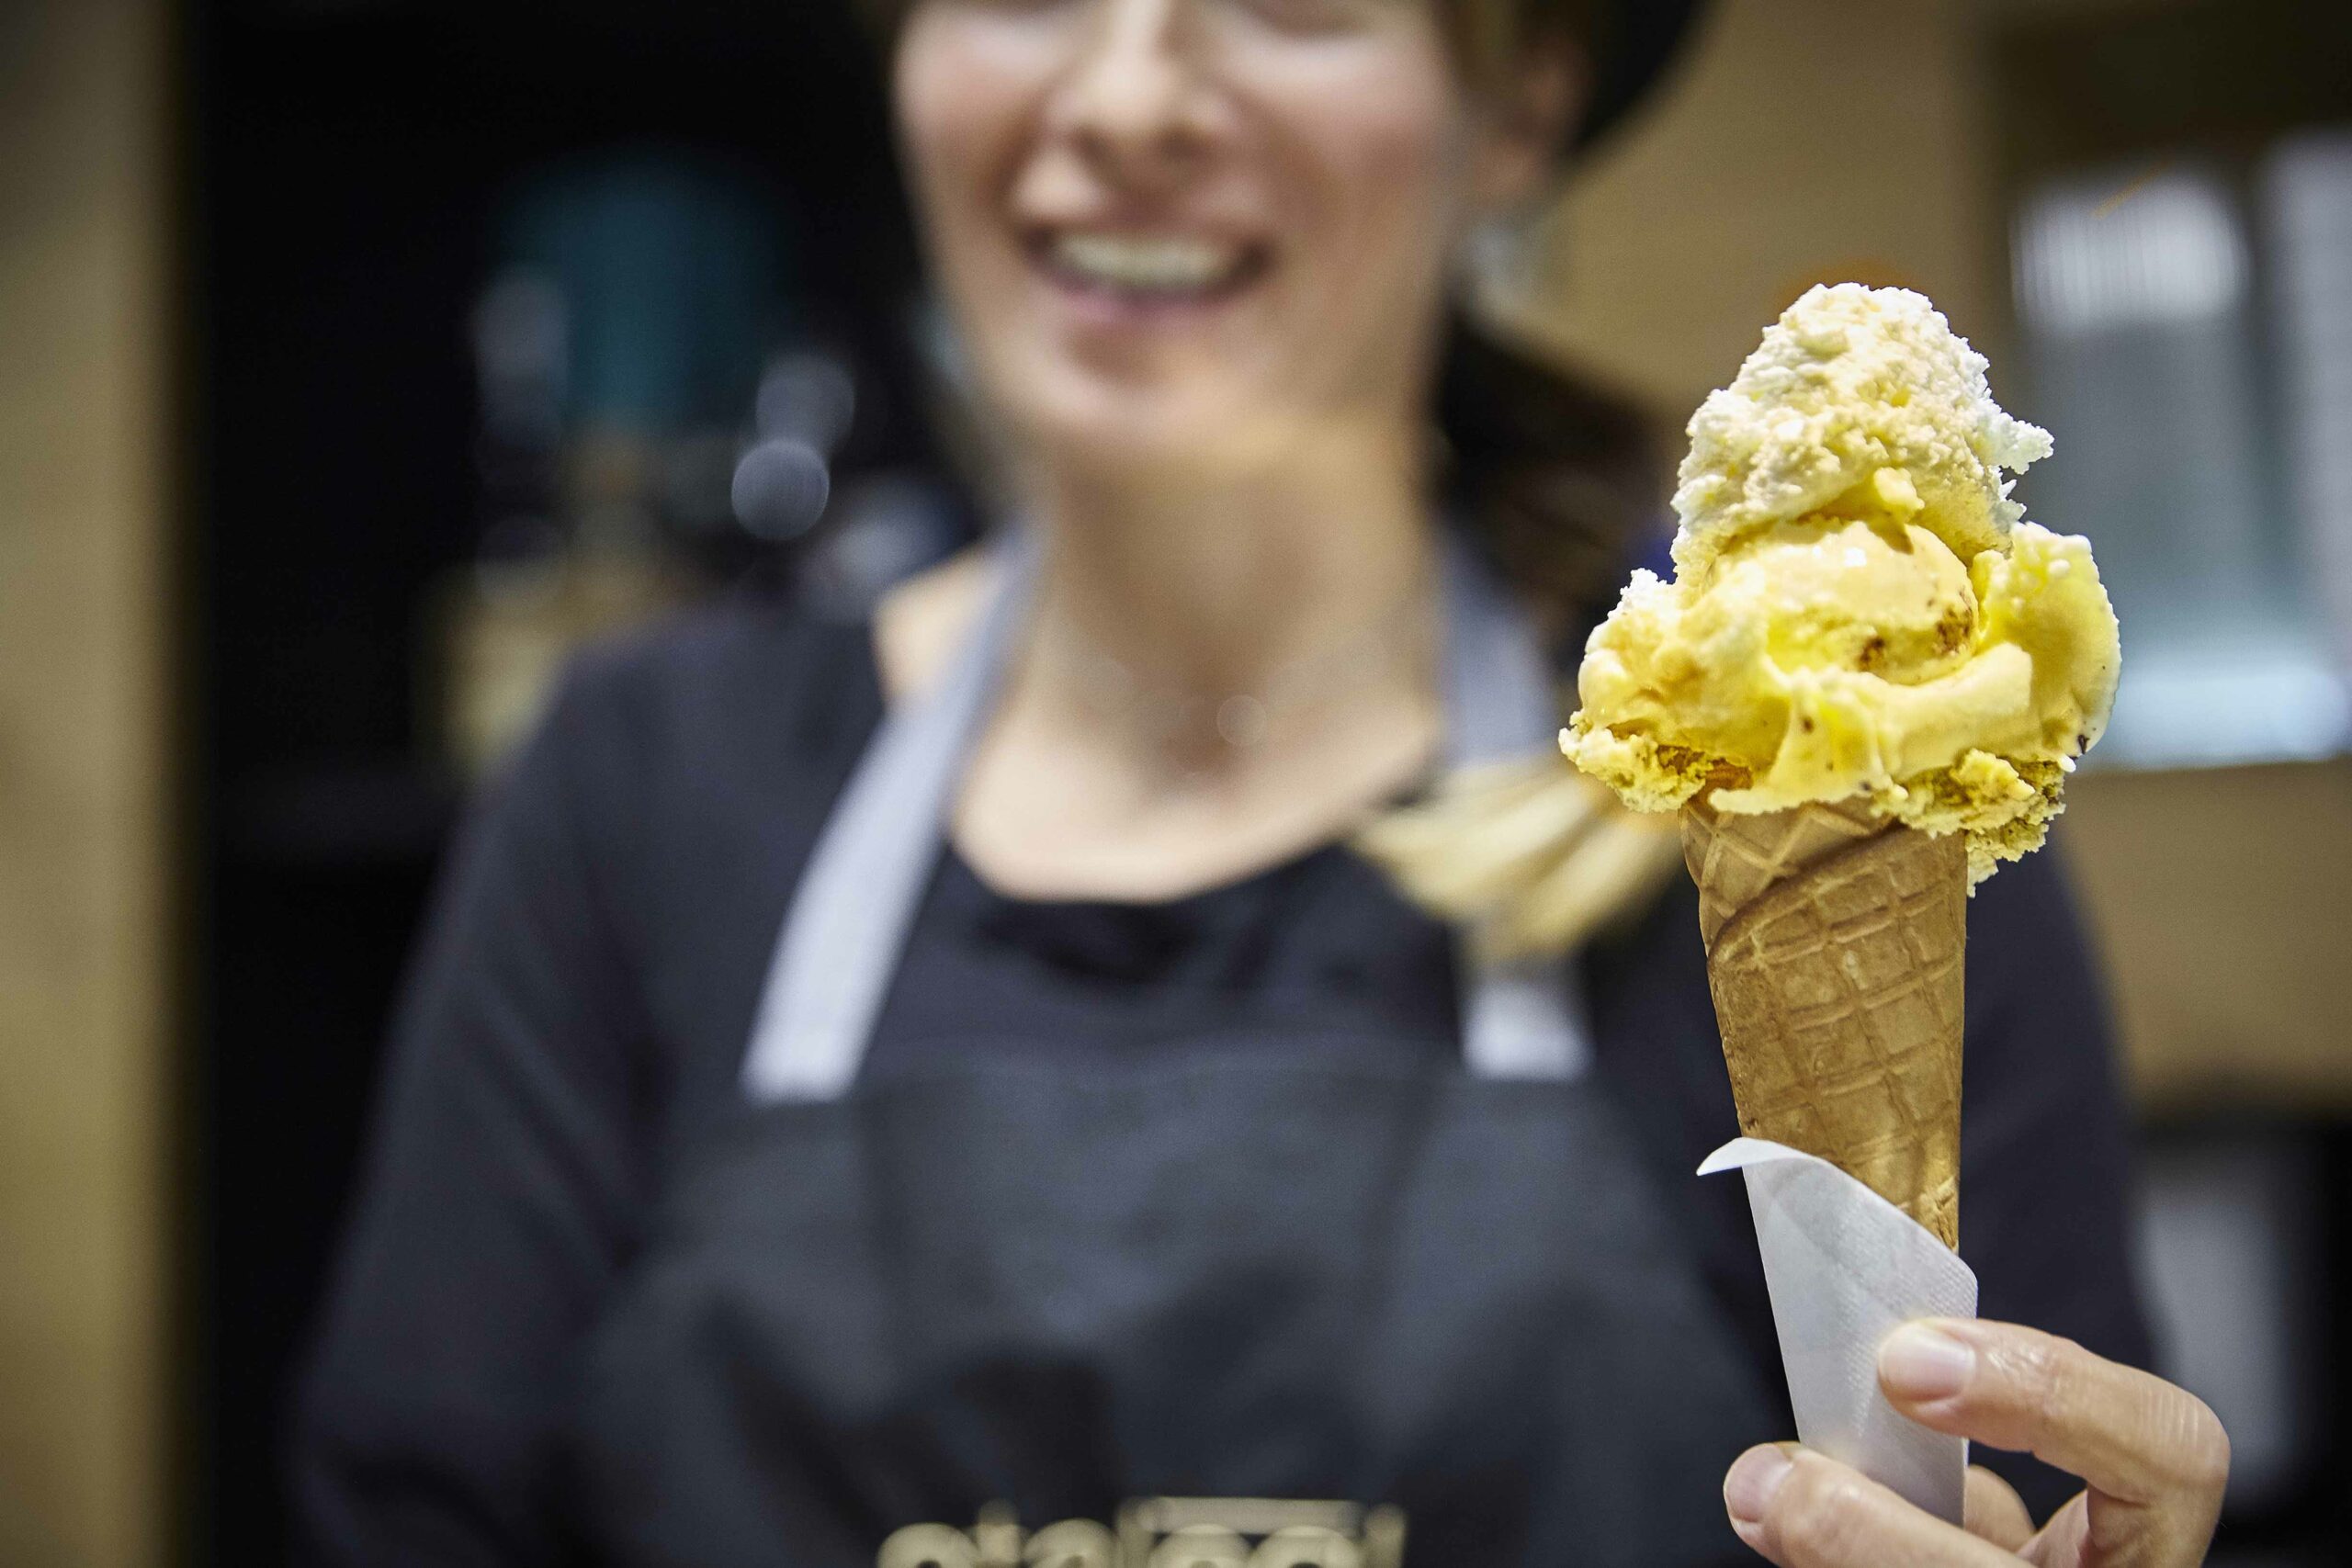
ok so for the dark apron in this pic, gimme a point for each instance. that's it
(1252, 1268)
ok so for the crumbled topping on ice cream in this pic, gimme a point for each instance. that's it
(1849, 385)
(1857, 607)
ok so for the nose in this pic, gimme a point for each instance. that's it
(1133, 100)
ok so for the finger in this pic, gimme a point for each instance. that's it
(2132, 1436)
(1801, 1510)
(1993, 1511)
(2060, 1543)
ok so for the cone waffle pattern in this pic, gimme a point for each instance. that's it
(1835, 947)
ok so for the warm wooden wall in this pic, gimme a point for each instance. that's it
(84, 896)
(2223, 899)
(1804, 141)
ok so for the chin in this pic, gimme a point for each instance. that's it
(1198, 428)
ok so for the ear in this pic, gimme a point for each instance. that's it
(1528, 109)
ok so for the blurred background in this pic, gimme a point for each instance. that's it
(360, 357)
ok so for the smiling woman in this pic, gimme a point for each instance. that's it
(1205, 248)
(1555, 474)
(1180, 226)
(961, 1067)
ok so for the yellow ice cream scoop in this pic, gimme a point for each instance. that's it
(1857, 609)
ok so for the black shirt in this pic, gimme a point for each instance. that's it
(581, 1003)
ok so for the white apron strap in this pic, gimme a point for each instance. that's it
(1521, 1019)
(848, 919)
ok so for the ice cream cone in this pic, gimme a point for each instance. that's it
(1835, 941)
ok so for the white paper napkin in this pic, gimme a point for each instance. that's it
(1845, 1267)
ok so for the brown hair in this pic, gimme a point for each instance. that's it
(1554, 473)
(1487, 36)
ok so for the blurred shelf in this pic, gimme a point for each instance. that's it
(2222, 899)
(2265, 695)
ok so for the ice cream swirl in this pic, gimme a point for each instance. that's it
(1857, 605)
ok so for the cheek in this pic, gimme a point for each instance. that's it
(959, 106)
(1381, 155)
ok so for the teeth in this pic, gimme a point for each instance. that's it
(1168, 266)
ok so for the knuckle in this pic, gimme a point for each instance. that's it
(1823, 1515)
(2203, 1448)
(2041, 1379)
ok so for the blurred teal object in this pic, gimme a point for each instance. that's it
(674, 275)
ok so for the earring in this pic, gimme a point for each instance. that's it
(1502, 260)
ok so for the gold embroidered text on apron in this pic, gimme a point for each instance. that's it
(1166, 1532)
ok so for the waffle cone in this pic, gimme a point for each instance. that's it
(1833, 950)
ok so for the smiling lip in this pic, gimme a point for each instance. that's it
(1130, 274)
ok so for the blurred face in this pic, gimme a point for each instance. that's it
(1201, 230)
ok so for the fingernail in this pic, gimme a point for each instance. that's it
(1919, 1363)
(1754, 1477)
